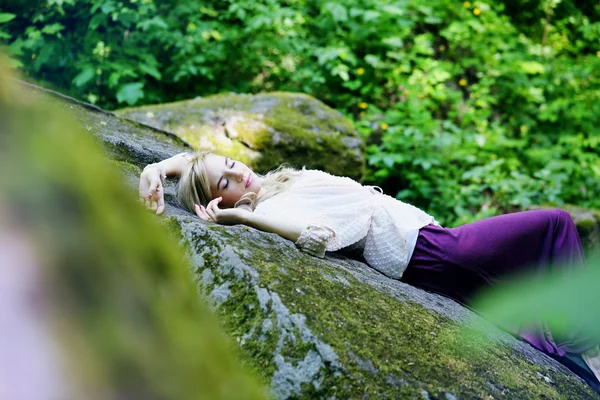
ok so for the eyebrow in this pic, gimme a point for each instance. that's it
(221, 178)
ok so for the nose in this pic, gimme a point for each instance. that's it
(236, 174)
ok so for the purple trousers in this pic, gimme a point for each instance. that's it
(458, 262)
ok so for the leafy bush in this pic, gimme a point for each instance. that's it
(469, 109)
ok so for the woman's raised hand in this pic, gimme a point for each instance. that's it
(151, 188)
(224, 216)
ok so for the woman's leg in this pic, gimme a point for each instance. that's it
(458, 262)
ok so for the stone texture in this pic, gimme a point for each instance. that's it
(333, 328)
(263, 130)
(95, 297)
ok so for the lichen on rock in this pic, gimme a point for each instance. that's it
(263, 130)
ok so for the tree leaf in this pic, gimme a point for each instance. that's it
(150, 70)
(130, 93)
(5, 17)
(374, 61)
(532, 67)
(84, 76)
(393, 41)
(53, 28)
(371, 15)
(338, 11)
(155, 22)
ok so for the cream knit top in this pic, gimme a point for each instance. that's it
(341, 213)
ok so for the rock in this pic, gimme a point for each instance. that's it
(263, 130)
(588, 225)
(95, 296)
(333, 328)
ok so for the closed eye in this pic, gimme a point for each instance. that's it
(227, 180)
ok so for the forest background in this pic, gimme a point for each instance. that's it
(468, 109)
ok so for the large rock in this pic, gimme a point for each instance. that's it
(588, 225)
(334, 328)
(263, 130)
(95, 297)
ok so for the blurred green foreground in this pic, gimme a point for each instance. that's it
(96, 293)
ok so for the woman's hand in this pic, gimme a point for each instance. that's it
(151, 189)
(224, 216)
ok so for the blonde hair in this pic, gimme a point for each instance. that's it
(194, 188)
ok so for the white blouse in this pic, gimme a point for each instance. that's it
(342, 213)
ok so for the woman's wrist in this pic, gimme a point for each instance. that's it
(153, 165)
(161, 171)
(173, 166)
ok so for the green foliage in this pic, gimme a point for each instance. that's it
(470, 109)
(566, 301)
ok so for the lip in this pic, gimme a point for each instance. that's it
(249, 180)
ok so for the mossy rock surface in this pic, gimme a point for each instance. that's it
(95, 295)
(334, 328)
(263, 130)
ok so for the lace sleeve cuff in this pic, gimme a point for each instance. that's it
(314, 239)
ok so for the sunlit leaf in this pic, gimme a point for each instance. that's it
(393, 41)
(338, 11)
(130, 93)
(532, 67)
(84, 76)
(5, 17)
(567, 301)
(150, 70)
(374, 61)
(53, 28)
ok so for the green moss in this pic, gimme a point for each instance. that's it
(126, 167)
(397, 349)
(586, 226)
(119, 310)
(264, 130)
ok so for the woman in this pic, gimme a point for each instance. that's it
(321, 212)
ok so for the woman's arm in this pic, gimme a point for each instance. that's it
(173, 166)
(289, 228)
(151, 189)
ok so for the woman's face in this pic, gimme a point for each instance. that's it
(230, 179)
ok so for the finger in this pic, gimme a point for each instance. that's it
(214, 203)
(198, 212)
(216, 200)
(153, 205)
(211, 212)
(154, 185)
(142, 186)
(147, 203)
(203, 210)
(201, 213)
(161, 206)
